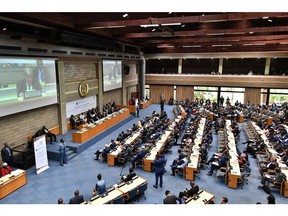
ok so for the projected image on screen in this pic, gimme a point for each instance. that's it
(112, 75)
(26, 84)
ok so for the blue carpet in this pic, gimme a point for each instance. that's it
(81, 171)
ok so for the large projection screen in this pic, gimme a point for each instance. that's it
(112, 75)
(26, 83)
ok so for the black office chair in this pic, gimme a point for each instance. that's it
(244, 176)
(131, 194)
(118, 200)
(141, 190)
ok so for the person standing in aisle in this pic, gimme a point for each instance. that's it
(62, 149)
(159, 165)
(162, 105)
(7, 154)
(137, 109)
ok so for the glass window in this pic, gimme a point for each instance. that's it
(264, 96)
(205, 88)
(279, 91)
(233, 96)
(212, 96)
(174, 93)
(278, 98)
(232, 89)
(147, 91)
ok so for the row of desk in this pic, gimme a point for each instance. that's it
(234, 172)
(145, 104)
(101, 125)
(193, 165)
(11, 182)
(113, 155)
(121, 193)
(151, 157)
(273, 153)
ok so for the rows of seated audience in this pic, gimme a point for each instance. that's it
(188, 138)
(270, 165)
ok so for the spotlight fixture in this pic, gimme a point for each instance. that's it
(125, 15)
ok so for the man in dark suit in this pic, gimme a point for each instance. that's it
(129, 177)
(159, 165)
(193, 190)
(170, 199)
(49, 134)
(7, 154)
(139, 156)
(77, 199)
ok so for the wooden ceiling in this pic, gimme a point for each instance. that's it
(165, 33)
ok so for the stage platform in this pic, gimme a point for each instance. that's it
(73, 149)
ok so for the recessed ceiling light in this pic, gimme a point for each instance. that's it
(4, 29)
(169, 12)
(251, 32)
(265, 17)
(183, 26)
(153, 30)
(203, 14)
(125, 15)
(269, 20)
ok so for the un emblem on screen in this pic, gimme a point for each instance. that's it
(83, 88)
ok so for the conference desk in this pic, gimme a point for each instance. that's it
(120, 191)
(87, 133)
(111, 157)
(202, 197)
(11, 182)
(131, 108)
(240, 119)
(135, 184)
(149, 160)
(145, 104)
(234, 172)
(108, 198)
(192, 166)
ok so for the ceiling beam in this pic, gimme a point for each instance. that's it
(183, 19)
(216, 39)
(210, 32)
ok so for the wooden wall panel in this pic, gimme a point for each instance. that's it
(157, 90)
(184, 92)
(253, 95)
(218, 80)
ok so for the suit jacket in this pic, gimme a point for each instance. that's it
(171, 200)
(5, 154)
(159, 165)
(192, 191)
(76, 199)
